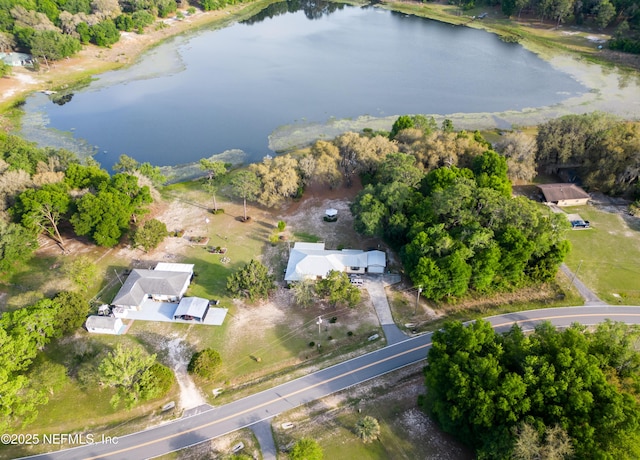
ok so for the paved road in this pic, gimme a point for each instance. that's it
(264, 435)
(245, 412)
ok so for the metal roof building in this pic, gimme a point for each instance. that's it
(313, 261)
(192, 309)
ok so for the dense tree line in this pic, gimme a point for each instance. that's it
(599, 13)
(550, 394)
(47, 191)
(457, 228)
(54, 29)
(599, 149)
(23, 335)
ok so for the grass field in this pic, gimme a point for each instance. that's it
(606, 257)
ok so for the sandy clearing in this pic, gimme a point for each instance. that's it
(179, 356)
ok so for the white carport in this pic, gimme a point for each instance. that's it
(192, 309)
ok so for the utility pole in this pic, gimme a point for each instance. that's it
(576, 273)
(319, 323)
(415, 312)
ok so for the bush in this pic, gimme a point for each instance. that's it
(205, 363)
(312, 344)
(149, 235)
(367, 429)
(157, 382)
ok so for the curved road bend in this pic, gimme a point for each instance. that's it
(188, 431)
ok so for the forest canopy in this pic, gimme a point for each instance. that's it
(545, 395)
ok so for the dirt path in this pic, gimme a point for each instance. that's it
(190, 396)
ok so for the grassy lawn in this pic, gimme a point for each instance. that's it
(607, 256)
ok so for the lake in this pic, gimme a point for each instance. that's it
(211, 91)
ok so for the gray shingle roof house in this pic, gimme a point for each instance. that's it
(313, 261)
(160, 285)
(564, 194)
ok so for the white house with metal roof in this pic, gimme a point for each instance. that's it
(313, 261)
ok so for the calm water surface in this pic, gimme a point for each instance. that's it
(216, 90)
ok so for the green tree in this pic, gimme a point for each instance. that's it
(104, 33)
(80, 177)
(105, 215)
(369, 212)
(149, 235)
(490, 170)
(71, 312)
(306, 449)
(246, 185)
(5, 69)
(53, 46)
(605, 13)
(215, 170)
(126, 164)
(17, 246)
(368, 429)
(48, 377)
(304, 292)
(400, 167)
(155, 382)
(337, 288)
(205, 363)
(252, 281)
(125, 369)
(447, 126)
(41, 209)
(82, 271)
(402, 122)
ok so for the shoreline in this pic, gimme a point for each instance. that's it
(93, 60)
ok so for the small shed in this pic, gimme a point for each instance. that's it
(564, 194)
(192, 309)
(105, 325)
